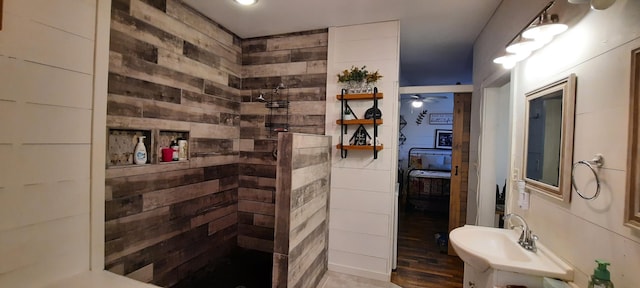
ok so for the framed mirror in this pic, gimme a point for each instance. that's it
(632, 209)
(548, 147)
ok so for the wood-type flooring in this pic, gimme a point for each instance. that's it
(420, 260)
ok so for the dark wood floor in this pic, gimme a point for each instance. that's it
(420, 260)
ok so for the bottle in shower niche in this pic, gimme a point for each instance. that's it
(140, 154)
(182, 149)
(174, 147)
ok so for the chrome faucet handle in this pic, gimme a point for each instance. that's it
(532, 243)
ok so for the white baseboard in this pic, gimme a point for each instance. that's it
(360, 272)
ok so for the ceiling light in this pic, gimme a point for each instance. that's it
(535, 35)
(595, 4)
(509, 61)
(416, 103)
(246, 2)
(601, 4)
(546, 27)
(527, 45)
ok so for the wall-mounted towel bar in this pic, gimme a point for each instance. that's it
(597, 161)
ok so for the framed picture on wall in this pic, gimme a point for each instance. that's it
(444, 139)
(440, 118)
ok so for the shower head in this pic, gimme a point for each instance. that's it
(280, 86)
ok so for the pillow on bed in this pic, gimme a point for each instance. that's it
(440, 167)
(415, 162)
(436, 162)
(432, 160)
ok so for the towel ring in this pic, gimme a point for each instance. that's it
(598, 161)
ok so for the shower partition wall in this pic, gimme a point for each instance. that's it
(302, 210)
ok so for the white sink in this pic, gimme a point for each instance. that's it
(485, 247)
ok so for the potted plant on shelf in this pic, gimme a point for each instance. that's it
(358, 79)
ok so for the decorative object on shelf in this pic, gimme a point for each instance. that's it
(377, 141)
(348, 114)
(421, 117)
(361, 137)
(358, 80)
(369, 114)
(444, 139)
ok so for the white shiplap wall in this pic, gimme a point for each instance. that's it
(597, 48)
(46, 97)
(362, 189)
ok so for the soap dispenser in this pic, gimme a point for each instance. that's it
(140, 154)
(601, 277)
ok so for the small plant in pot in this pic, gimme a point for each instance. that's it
(358, 79)
(348, 115)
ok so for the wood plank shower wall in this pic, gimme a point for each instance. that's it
(299, 61)
(172, 69)
(302, 213)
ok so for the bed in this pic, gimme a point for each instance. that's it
(428, 179)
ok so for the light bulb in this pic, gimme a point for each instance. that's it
(525, 45)
(246, 2)
(509, 61)
(416, 103)
(547, 27)
(508, 64)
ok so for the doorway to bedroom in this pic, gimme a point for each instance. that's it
(433, 165)
(426, 139)
(424, 156)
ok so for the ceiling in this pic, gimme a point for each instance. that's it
(436, 36)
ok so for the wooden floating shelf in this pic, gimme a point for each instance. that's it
(359, 147)
(358, 122)
(368, 96)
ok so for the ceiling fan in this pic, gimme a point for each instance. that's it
(418, 100)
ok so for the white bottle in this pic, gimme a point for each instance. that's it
(140, 154)
(182, 149)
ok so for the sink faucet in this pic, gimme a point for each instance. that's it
(527, 239)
